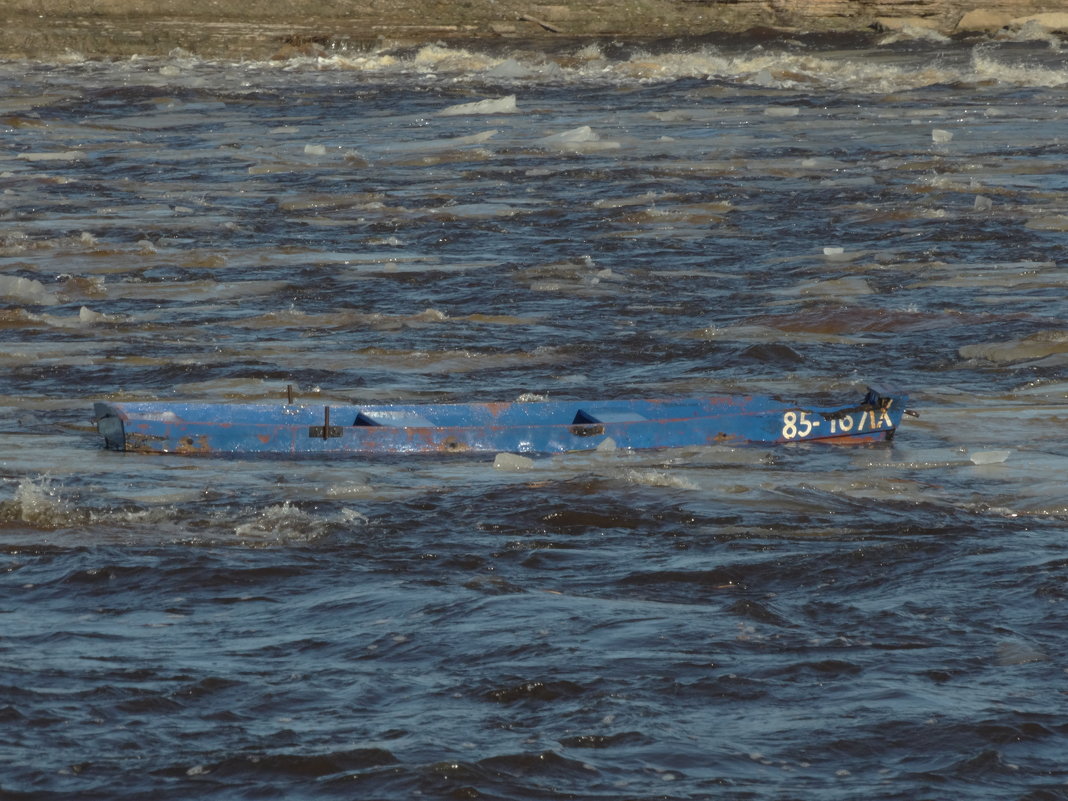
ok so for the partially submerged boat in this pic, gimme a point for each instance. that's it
(516, 427)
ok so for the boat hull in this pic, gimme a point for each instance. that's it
(538, 427)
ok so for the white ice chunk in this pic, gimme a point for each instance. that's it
(497, 105)
(315, 150)
(62, 155)
(473, 139)
(848, 286)
(990, 457)
(983, 203)
(88, 316)
(1015, 652)
(26, 290)
(509, 69)
(1054, 222)
(836, 253)
(782, 111)
(941, 137)
(581, 140)
(584, 133)
(765, 78)
(429, 145)
(513, 462)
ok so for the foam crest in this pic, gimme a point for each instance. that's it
(987, 67)
(659, 478)
(282, 523)
(764, 67)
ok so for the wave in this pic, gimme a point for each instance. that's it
(873, 71)
(895, 64)
(876, 70)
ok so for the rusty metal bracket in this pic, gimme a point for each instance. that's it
(325, 431)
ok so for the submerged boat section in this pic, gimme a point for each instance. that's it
(517, 427)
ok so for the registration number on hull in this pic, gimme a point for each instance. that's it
(803, 425)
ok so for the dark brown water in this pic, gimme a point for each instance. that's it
(800, 622)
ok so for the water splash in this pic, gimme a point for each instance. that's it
(40, 504)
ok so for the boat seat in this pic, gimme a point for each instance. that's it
(607, 416)
(393, 417)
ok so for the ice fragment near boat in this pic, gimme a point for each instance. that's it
(497, 105)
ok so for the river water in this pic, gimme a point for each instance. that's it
(488, 222)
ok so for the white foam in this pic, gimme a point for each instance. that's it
(39, 503)
(910, 32)
(769, 68)
(660, 478)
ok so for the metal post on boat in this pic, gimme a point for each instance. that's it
(289, 394)
(326, 422)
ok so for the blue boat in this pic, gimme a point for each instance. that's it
(518, 427)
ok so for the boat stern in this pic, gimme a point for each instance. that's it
(110, 424)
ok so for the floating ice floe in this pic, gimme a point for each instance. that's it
(941, 137)
(1041, 345)
(88, 316)
(834, 287)
(26, 290)
(1055, 222)
(498, 105)
(440, 144)
(62, 155)
(836, 253)
(512, 462)
(511, 69)
(581, 140)
(989, 457)
(1016, 652)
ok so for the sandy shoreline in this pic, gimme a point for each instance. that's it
(265, 29)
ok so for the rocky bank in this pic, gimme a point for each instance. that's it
(266, 28)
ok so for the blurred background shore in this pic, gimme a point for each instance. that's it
(283, 28)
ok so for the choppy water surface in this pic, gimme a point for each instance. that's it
(456, 224)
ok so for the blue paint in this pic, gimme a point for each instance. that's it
(541, 427)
